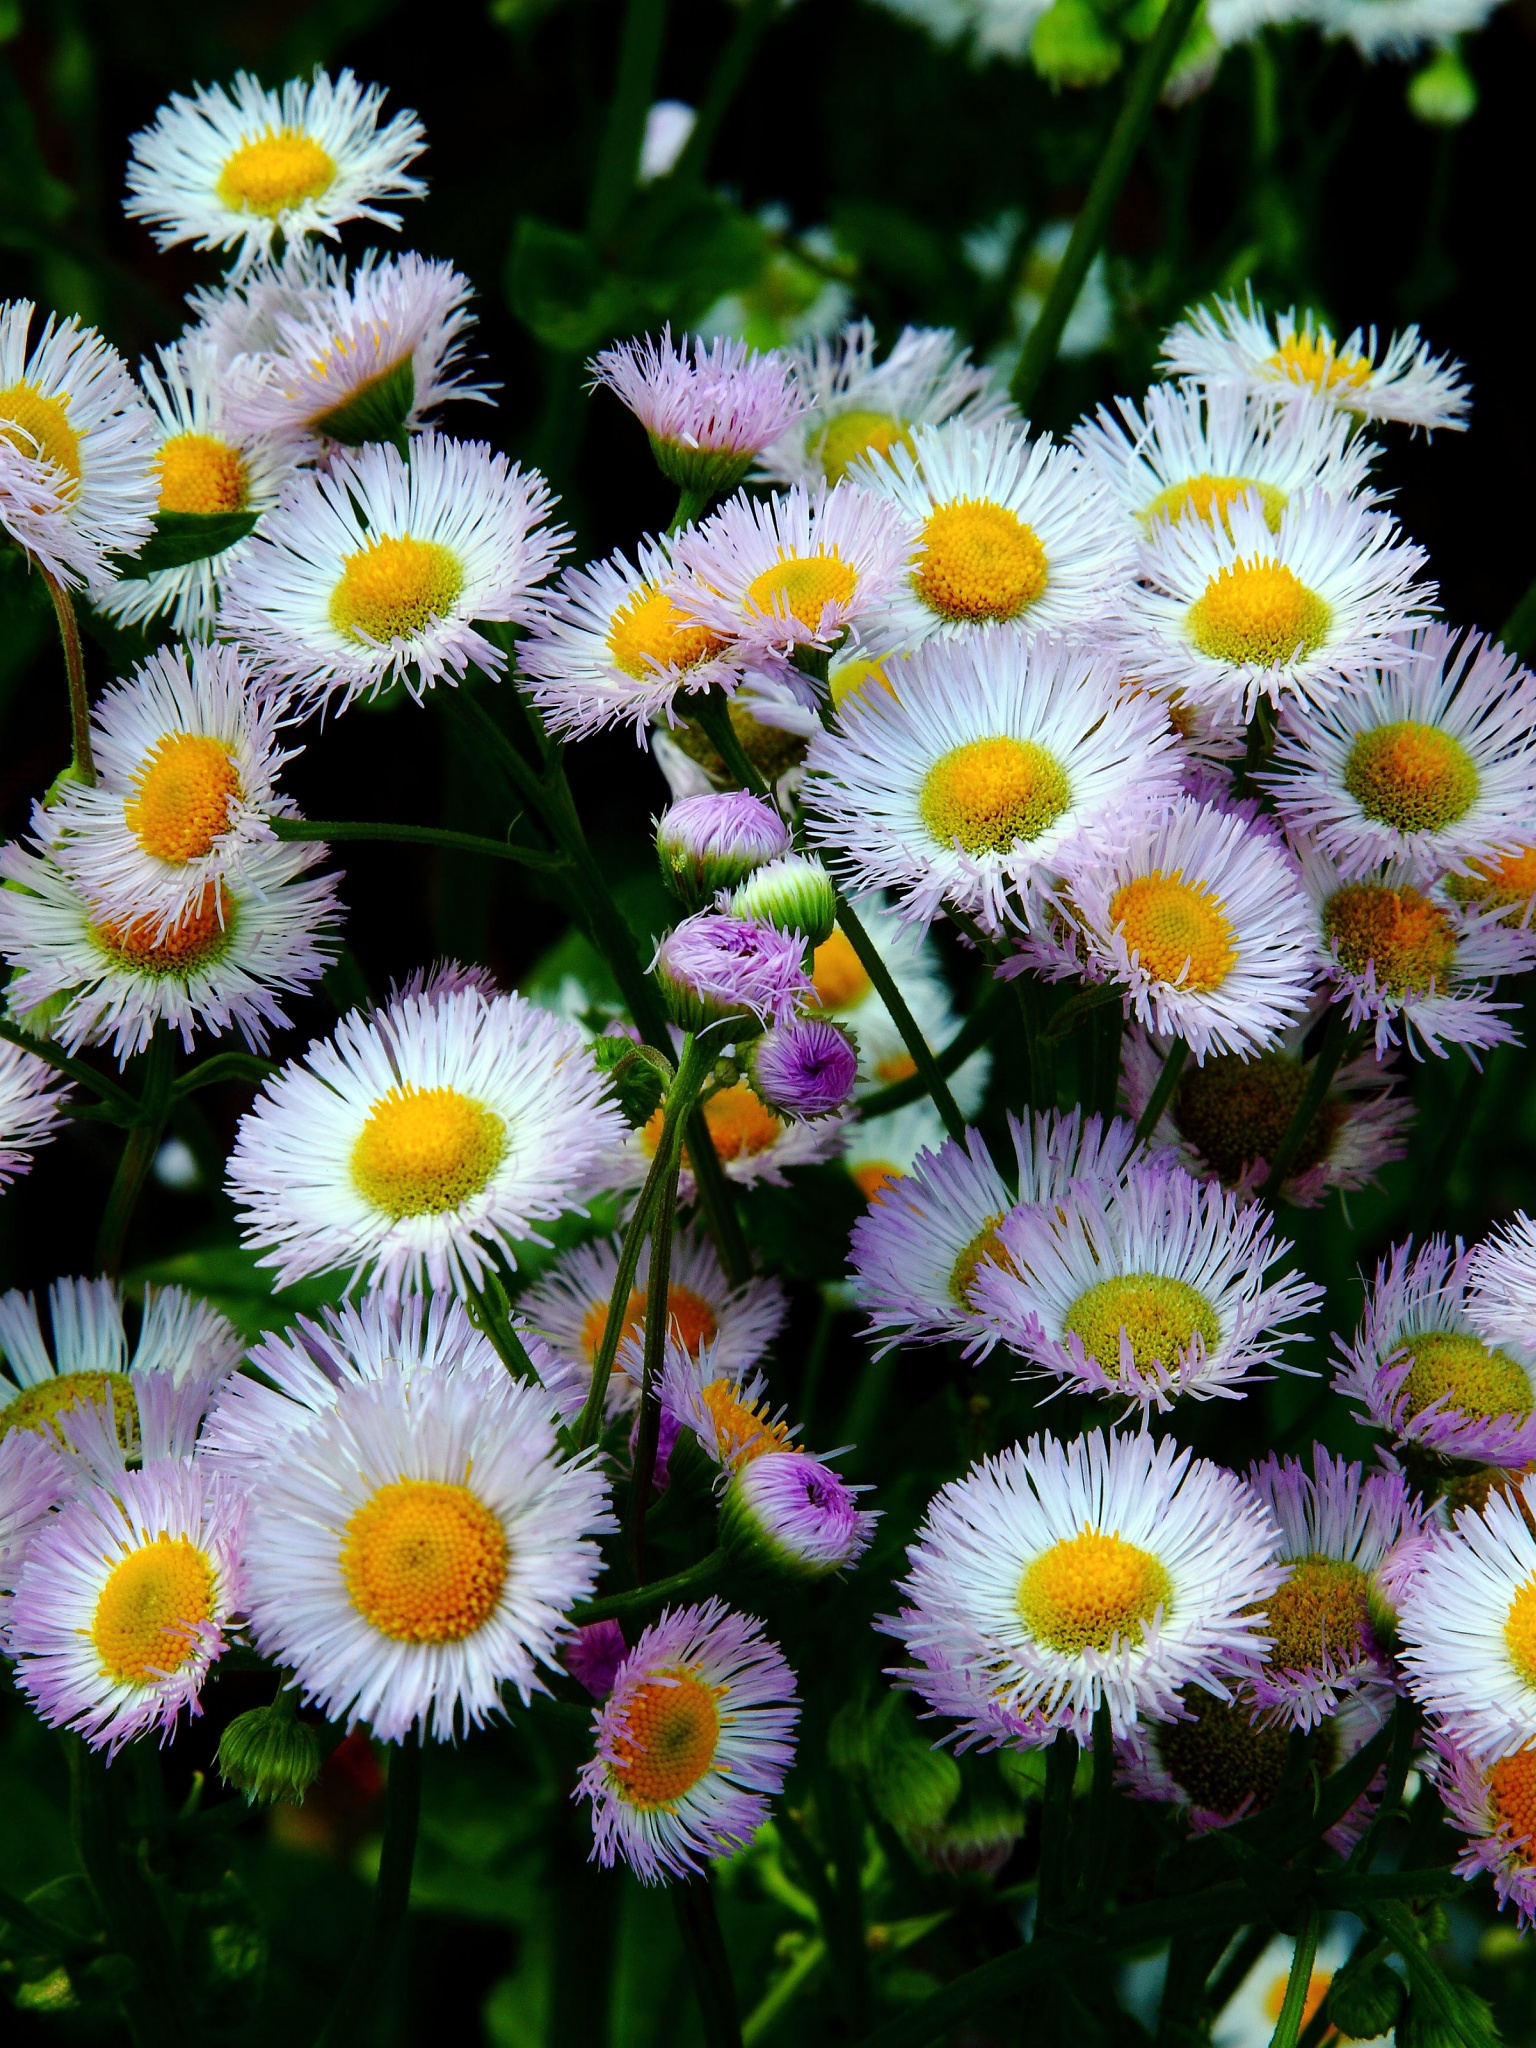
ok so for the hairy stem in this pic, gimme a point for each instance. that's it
(143, 1141)
(326, 829)
(391, 1897)
(83, 760)
(634, 87)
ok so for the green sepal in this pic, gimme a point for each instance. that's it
(380, 411)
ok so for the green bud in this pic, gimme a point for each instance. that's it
(795, 894)
(1071, 46)
(269, 1753)
(1421, 2027)
(914, 1787)
(637, 1079)
(975, 1840)
(1365, 2003)
(1443, 92)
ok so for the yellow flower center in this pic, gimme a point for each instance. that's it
(1235, 1110)
(198, 936)
(38, 1407)
(1410, 941)
(672, 1726)
(744, 1430)
(1219, 1759)
(183, 797)
(1520, 1631)
(201, 474)
(149, 1611)
(1259, 613)
(424, 1151)
(984, 1245)
(873, 1177)
(896, 1066)
(689, 1316)
(857, 678)
(737, 1121)
(980, 563)
(802, 586)
(424, 1561)
(394, 588)
(839, 974)
(988, 794)
(1412, 777)
(1319, 1614)
(1159, 1315)
(1512, 1795)
(40, 427)
(852, 434)
(648, 631)
(1178, 930)
(1208, 497)
(1090, 1589)
(1474, 1378)
(1311, 359)
(279, 170)
(1509, 880)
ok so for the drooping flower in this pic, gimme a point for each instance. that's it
(709, 408)
(32, 1099)
(791, 1513)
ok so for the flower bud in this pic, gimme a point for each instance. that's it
(1443, 93)
(714, 969)
(1070, 45)
(976, 1841)
(914, 1785)
(269, 1753)
(794, 893)
(803, 1068)
(1364, 2004)
(594, 1654)
(787, 1512)
(709, 843)
(635, 1078)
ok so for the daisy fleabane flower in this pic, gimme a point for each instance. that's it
(860, 407)
(126, 1600)
(708, 407)
(32, 1099)
(1419, 1367)
(1058, 1577)
(1400, 28)
(241, 167)
(1235, 343)
(187, 759)
(713, 968)
(693, 1741)
(76, 444)
(725, 1405)
(1494, 1806)
(417, 1140)
(793, 1514)
(1198, 914)
(1503, 1277)
(1163, 1292)
(376, 571)
(33, 1482)
(246, 315)
(417, 1546)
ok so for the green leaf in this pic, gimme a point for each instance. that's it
(560, 288)
(182, 537)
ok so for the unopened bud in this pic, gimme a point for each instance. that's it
(804, 1068)
(713, 842)
(794, 893)
(1443, 92)
(716, 969)
(1071, 46)
(1364, 2004)
(787, 1512)
(269, 1753)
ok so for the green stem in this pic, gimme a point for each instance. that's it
(72, 1069)
(658, 1318)
(1092, 223)
(690, 505)
(1293, 2007)
(143, 1141)
(1162, 1094)
(849, 1944)
(694, 1901)
(418, 835)
(734, 62)
(764, 2016)
(618, 155)
(489, 1313)
(1039, 1051)
(681, 1585)
(360, 1991)
(927, 1066)
(710, 709)
(1101, 1807)
(1429, 1191)
(973, 1032)
(1336, 1037)
(1518, 631)
(1055, 1825)
(83, 760)
(223, 1066)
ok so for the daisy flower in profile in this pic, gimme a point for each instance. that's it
(1350, 1544)
(1409, 961)
(608, 646)
(33, 1481)
(364, 360)
(32, 1099)
(1400, 28)
(187, 759)
(1468, 1626)
(726, 1407)
(801, 569)
(964, 789)
(792, 1514)
(1190, 452)
(1433, 765)
(917, 1253)
(1197, 914)
(1057, 1577)
(708, 407)
(751, 1143)
(1494, 1806)
(76, 443)
(1232, 611)
(857, 407)
(1163, 1292)
(1227, 1116)
(1420, 1369)
(1003, 530)
(1238, 344)
(125, 1602)
(240, 167)
(717, 969)
(376, 571)
(691, 1744)
(265, 929)
(417, 1141)
(1503, 1280)
(417, 1547)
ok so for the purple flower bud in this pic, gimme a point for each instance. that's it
(794, 1514)
(708, 843)
(804, 1067)
(712, 968)
(708, 407)
(594, 1654)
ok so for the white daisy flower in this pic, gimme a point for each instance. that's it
(608, 646)
(187, 759)
(1468, 1626)
(859, 407)
(1166, 1291)
(240, 167)
(1191, 452)
(880, 1151)
(419, 1140)
(418, 1545)
(1058, 1577)
(1004, 529)
(76, 442)
(965, 788)
(376, 571)
(1503, 1304)
(365, 360)
(1199, 917)
(33, 1482)
(266, 929)
(802, 569)
(32, 1099)
(1433, 765)
(246, 315)
(1234, 343)
(1399, 28)
(1228, 613)
(205, 464)
(125, 1601)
